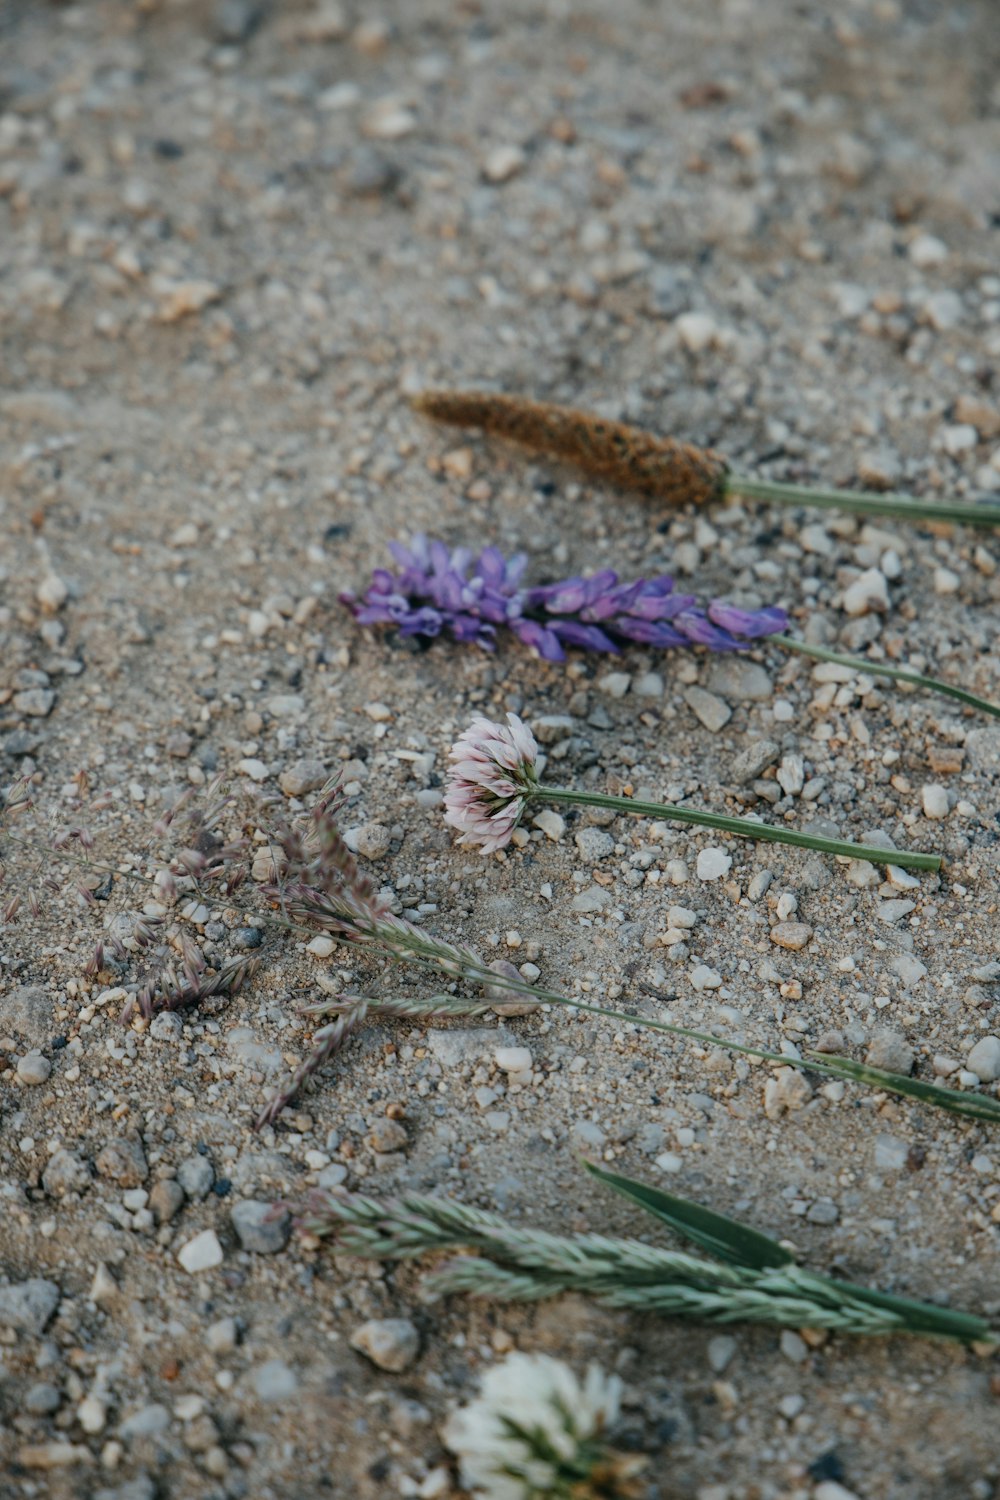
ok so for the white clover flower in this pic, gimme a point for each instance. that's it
(492, 775)
(535, 1431)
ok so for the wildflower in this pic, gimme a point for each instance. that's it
(492, 776)
(536, 1431)
(440, 589)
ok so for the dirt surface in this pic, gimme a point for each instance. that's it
(231, 239)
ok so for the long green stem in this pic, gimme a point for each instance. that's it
(905, 507)
(881, 669)
(744, 827)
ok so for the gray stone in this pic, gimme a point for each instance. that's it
(391, 1343)
(982, 749)
(65, 1173)
(551, 728)
(234, 21)
(752, 760)
(742, 681)
(26, 1306)
(890, 1153)
(823, 1211)
(27, 1012)
(894, 911)
(706, 707)
(984, 1059)
(139, 1488)
(301, 777)
(588, 1137)
(148, 1421)
(196, 1175)
(274, 1381)
(123, 1161)
(258, 1228)
(33, 1069)
(37, 703)
(333, 1176)
(168, 1026)
(43, 1399)
(594, 844)
(592, 899)
(720, 1352)
(891, 1050)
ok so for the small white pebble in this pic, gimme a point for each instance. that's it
(713, 864)
(502, 163)
(927, 251)
(551, 824)
(935, 801)
(681, 916)
(615, 684)
(946, 581)
(255, 769)
(513, 1059)
(92, 1414)
(202, 1253)
(696, 331)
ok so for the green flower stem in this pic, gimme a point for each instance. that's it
(744, 827)
(905, 507)
(881, 669)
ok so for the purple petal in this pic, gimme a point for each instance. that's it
(649, 632)
(532, 633)
(588, 637)
(567, 597)
(491, 567)
(700, 631)
(749, 622)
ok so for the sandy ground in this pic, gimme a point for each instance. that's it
(229, 242)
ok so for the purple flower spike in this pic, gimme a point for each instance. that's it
(438, 588)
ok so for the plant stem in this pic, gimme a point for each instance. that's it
(906, 507)
(744, 827)
(881, 669)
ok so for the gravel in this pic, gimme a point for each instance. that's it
(196, 1175)
(215, 291)
(392, 1344)
(984, 1059)
(259, 1230)
(202, 1253)
(34, 1069)
(27, 1306)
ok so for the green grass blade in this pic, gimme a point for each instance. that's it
(983, 1107)
(725, 1238)
(918, 1317)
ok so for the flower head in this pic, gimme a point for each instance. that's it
(437, 589)
(491, 777)
(535, 1431)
